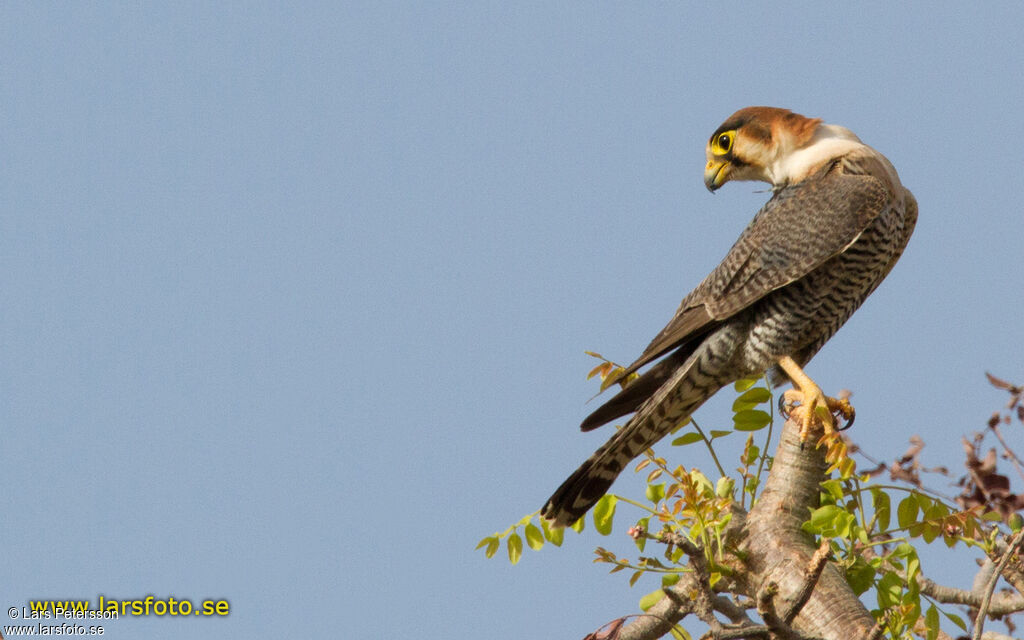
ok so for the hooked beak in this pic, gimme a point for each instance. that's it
(716, 173)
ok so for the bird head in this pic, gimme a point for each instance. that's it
(772, 145)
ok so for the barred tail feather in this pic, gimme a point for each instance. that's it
(586, 485)
(672, 403)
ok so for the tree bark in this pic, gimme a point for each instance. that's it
(778, 551)
(773, 560)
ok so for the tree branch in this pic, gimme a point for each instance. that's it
(816, 566)
(983, 610)
(1000, 604)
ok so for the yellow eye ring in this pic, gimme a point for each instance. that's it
(721, 144)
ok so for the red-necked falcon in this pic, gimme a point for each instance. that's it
(834, 227)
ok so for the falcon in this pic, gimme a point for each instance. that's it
(837, 222)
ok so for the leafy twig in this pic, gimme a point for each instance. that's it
(707, 443)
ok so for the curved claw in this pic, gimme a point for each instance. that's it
(789, 400)
(784, 407)
(847, 412)
(840, 411)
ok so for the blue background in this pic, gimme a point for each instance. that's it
(295, 297)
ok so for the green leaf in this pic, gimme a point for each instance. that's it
(604, 511)
(651, 599)
(833, 488)
(701, 480)
(906, 513)
(670, 579)
(751, 452)
(931, 621)
(860, 576)
(515, 548)
(913, 568)
(636, 576)
(612, 377)
(831, 521)
(687, 438)
(890, 588)
(1015, 522)
(992, 516)
(652, 563)
(821, 519)
(923, 501)
(493, 547)
(751, 420)
(751, 398)
(862, 535)
(745, 383)
(883, 508)
(655, 492)
(554, 536)
(903, 550)
(843, 526)
(534, 538)
(680, 633)
(493, 543)
(936, 511)
(579, 524)
(484, 542)
(718, 433)
(955, 619)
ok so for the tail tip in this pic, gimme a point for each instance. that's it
(559, 517)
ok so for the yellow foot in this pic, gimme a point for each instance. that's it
(829, 410)
(812, 403)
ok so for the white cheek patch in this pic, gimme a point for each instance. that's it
(829, 142)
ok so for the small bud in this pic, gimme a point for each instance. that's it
(724, 487)
(1015, 522)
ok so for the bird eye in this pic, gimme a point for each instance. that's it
(722, 143)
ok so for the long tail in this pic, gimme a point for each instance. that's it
(677, 398)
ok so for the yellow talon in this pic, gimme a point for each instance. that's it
(810, 398)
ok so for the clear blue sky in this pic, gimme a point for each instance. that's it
(295, 297)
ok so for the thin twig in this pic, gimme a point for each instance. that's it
(703, 601)
(1013, 572)
(814, 569)
(876, 631)
(768, 437)
(920, 628)
(707, 443)
(1009, 452)
(766, 606)
(979, 622)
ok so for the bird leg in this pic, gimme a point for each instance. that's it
(810, 397)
